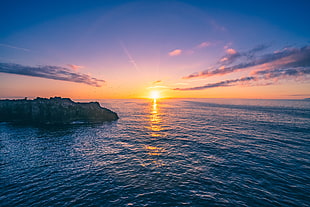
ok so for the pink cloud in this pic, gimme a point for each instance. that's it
(204, 44)
(75, 67)
(268, 69)
(175, 52)
(286, 58)
(224, 59)
(231, 51)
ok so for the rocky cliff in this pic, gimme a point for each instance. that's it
(55, 110)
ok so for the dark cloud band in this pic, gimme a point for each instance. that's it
(263, 75)
(219, 84)
(50, 72)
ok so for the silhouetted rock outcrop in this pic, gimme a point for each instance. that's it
(53, 111)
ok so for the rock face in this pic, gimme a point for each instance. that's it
(55, 110)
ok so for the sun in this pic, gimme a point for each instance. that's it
(154, 95)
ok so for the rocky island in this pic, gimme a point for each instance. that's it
(55, 110)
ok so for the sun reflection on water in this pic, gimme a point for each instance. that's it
(154, 107)
(155, 120)
(154, 150)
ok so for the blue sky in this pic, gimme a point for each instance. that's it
(132, 47)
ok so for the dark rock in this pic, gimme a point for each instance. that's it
(55, 110)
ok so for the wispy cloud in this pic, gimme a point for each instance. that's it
(283, 73)
(158, 87)
(268, 69)
(288, 57)
(232, 55)
(259, 78)
(192, 50)
(203, 45)
(157, 82)
(231, 51)
(297, 95)
(175, 52)
(75, 67)
(50, 72)
(14, 47)
(217, 26)
(219, 84)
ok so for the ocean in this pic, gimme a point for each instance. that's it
(175, 152)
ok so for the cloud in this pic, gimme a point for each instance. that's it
(219, 84)
(157, 82)
(233, 56)
(306, 94)
(50, 72)
(296, 65)
(283, 73)
(231, 51)
(268, 69)
(217, 27)
(175, 52)
(203, 45)
(288, 57)
(259, 78)
(158, 87)
(75, 67)
(190, 51)
(256, 49)
(14, 47)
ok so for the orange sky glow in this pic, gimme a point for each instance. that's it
(180, 49)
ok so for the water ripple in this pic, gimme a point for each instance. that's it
(174, 153)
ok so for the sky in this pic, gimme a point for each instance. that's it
(104, 49)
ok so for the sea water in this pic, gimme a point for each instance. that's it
(178, 152)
